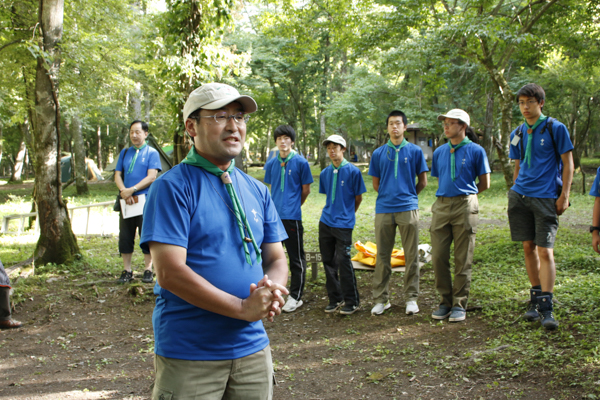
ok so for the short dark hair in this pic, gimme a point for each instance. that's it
(397, 113)
(285, 130)
(531, 90)
(142, 123)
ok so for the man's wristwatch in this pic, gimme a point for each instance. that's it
(135, 190)
(594, 228)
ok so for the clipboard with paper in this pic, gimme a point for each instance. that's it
(135, 209)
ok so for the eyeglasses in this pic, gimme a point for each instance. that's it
(530, 103)
(449, 124)
(222, 118)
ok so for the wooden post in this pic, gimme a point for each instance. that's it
(314, 258)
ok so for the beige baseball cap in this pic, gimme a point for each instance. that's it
(458, 114)
(335, 139)
(212, 96)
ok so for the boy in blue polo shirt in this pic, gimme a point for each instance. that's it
(394, 167)
(539, 195)
(290, 178)
(136, 169)
(456, 212)
(343, 184)
(595, 228)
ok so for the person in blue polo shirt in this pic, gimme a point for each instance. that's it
(136, 169)
(394, 167)
(290, 178)
(457, 165)
(215, 238)
(595, 227)
(343, 184)
(540, 147)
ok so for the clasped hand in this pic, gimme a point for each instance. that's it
(265, 300)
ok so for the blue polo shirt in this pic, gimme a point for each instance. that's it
(397, 194)
(148, 158)
(470, 161)
(189, 207)
(350, 184)
(543, 179)
(595, 191)
(297, 173)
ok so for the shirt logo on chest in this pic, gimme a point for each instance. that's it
(255, 217)
(290, 173)
(405, 160)
(342, 183)
(542, 142)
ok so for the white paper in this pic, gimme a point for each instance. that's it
(135, 209)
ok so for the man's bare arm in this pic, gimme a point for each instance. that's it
(421, 181)
(174, 275)
(357, 201)
(376, 184)
(305, 193)
(516, 171)
(562, 203)
(484, 182)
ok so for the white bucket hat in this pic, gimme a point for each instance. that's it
(213, 96)
(458, 114)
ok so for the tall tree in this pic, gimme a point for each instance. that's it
(56, 243)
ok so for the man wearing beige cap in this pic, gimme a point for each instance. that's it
(343, 184)
(457, 165)
(215, 238)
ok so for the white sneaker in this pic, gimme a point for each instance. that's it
(411, 307)
(291, 304)
(380, 308)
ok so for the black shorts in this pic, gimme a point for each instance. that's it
(532, 218)
(127, 229)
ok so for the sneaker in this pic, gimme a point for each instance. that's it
(380, 308)
(291, 304)
(457, 314)
(347, 310)
(546, 308)
(442, 312)
(333, 307)
(411, 307)
(148, 276)
(126, 276)
(532, 313)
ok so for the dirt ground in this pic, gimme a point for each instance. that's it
(91, 338)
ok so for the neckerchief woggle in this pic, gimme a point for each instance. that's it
(195, 159)
(397, 150)
(335, 178)
(465, 141)
(530, 129)
(283, 164)
(137, 150)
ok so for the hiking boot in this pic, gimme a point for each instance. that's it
(442, 312)
(545, 308)
(126, 276)
(333, 307)
(380, 308)
(532, 313)
(458, 314)
(347, 310)
(291, 304)
(411, 307)
(148, 276)
(10, 324)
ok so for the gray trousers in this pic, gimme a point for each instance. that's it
(385, 235)
(454, 219)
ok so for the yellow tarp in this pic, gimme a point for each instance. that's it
(367, 254)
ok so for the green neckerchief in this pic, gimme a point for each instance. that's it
(283, 163)
(453, 149)
(137, 150)
(530, 130)
(397, 150)
(335, 178)
(195, 159)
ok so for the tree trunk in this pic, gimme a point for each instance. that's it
(322, 149)
(502, 144)
(99, 144)
(18, 169)
(80, 174)
(56, 243)
(488, 132)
